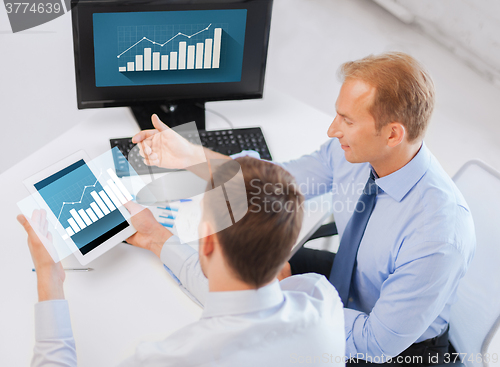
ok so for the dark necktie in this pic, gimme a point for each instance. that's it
(343, 265)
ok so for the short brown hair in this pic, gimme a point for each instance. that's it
(404, 90)
(257, 245)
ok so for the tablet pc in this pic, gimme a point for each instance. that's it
(84, 204)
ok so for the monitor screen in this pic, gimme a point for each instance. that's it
(133, 52)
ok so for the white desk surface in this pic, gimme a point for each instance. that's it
(129, 297)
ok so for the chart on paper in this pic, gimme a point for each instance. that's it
(170, 47)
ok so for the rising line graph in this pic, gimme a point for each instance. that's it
(81, 198)
(163, 44)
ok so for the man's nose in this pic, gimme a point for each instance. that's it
(333, 130)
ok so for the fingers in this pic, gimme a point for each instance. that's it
(154, 157)
(35, 218)
(23, 221)
(143, 135)
(40, 222)
(43, 224)
(144, 142)
(26, 224)
(146, 148)
(150, 158)
(38, 239)
(133, 207)
(158, 124)
(132, 240)
(152, 162)
(139, 148)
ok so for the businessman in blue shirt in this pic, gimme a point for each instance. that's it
(419, 239)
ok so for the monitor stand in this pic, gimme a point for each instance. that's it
(172, 114)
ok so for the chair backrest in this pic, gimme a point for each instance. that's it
(475, 317)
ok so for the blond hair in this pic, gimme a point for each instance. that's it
(404, 90)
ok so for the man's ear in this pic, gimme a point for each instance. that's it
(206, 242)
(396, 133)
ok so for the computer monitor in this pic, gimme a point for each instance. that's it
(169, 56)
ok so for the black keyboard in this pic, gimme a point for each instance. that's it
(227, 142)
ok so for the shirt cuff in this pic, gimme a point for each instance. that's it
(174, 254)
(350, 317)
(52, 320)
(244, 153)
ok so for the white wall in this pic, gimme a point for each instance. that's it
(469, 28)
(310, 39)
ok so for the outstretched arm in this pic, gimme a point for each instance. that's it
(180, 259)
(54, 343)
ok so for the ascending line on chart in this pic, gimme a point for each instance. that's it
(163, 44)
(105, 201)
(202, 55)
(81, 198)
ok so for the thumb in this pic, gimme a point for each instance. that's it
(24, 222)
(22, 219)
(158, 124)
(131, 240)
(133, 207)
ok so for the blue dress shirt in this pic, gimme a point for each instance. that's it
(417, 246)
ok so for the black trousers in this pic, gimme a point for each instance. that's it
(426, 353)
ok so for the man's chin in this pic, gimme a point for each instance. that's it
(349, 158)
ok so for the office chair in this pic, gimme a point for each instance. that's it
(326, 230)
(475, 317)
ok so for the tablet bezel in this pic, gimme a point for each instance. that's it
(104, 246)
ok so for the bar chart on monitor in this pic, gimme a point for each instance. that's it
(170, 48)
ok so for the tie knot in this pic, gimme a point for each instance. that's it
(371, 188)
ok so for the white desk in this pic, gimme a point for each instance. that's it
(129, 297)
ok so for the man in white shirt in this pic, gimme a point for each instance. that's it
(249, 317)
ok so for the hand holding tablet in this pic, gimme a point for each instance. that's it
(50, 274)
(84, 205)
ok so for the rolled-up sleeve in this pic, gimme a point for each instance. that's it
(54, 342)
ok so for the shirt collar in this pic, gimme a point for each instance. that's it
(399, 183)
(241, 302)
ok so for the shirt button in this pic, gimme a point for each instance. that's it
(351, 299)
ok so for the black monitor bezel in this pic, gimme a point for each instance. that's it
(255, 55)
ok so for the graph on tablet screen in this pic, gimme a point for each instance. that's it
(85, 208)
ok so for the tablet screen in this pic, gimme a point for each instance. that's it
(87, 211)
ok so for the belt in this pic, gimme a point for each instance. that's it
(431, 350)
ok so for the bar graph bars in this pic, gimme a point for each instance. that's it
(201, 55)
(113, 195)
(182, 55)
